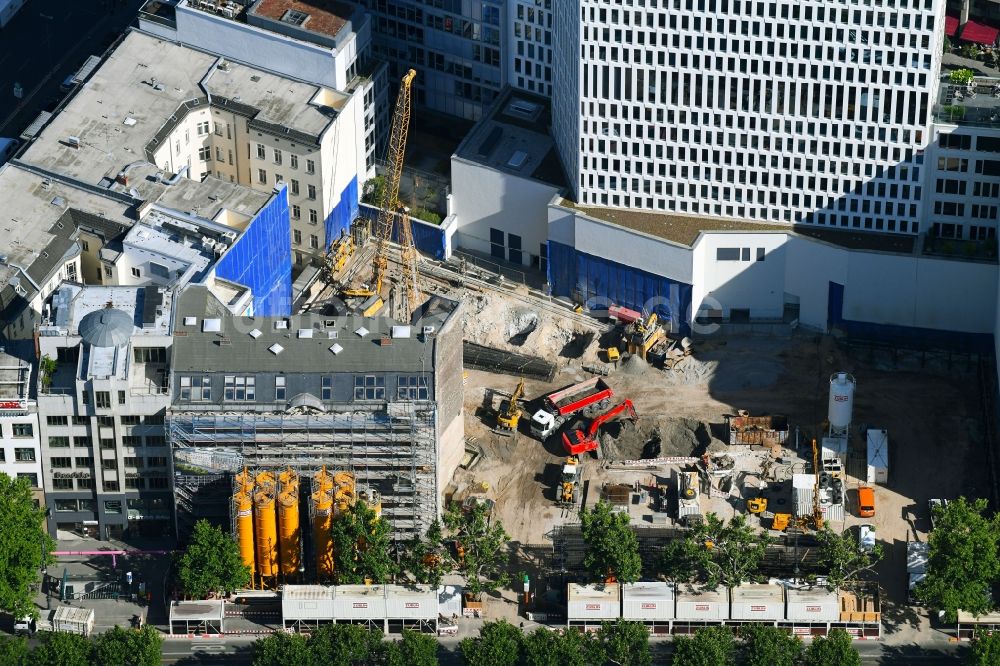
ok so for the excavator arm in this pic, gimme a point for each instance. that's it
(578, 441)
(595, 425)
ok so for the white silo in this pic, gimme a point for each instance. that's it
(841, 406)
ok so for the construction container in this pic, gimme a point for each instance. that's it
(917, 553)
(834, 448)
(359, 602)
(593, 602)
(753, 601)
(694, 603)
(244, 526)
(878, 456)
(811, 604)
(688, 494)
(832, 496)
(73, 620)
(288, 528)
(648, 601)
(322, 503)
(266, 533)
(306, 602)
(419, 602)
(757, 430)
(855, 608)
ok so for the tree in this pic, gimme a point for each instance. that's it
(625, 642)
(25, 549)
(129, 647)
(770, 646)
(362, 547)
(374, 191)
(985, 650)
(962, 560)
(681, 560)
(734, 551)
(612, 547)
(280, 649)
(498, 644)
(836, 649)
(714, 646)
(62, 649)
(842, 557)
(346, 644)
(481, 543)
(415, 649)
(425, 558)
(14, 651)
(211, 563)
(544, 647)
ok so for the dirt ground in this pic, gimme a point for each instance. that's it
(932, 417)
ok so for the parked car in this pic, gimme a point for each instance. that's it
(866, 501)
(7, 149)
(866, 538)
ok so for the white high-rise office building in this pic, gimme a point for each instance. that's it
(789, 111)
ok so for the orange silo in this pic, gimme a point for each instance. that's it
(288, 523)
(266, 533)
(244, 527)
(372, 498)
(322, 480)
(322, 522)
(244, 482)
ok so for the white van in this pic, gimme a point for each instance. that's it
(7, 149)
(24, 626)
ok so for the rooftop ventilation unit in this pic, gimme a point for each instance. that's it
(275, 349)
(304, 333)
(211, 325)
(73, 141)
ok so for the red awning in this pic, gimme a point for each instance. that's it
(950, 26)
(979, 33)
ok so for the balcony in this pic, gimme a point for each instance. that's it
(162, 12)
(976, 103)
(147, 379)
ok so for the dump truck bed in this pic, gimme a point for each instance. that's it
(578, 396)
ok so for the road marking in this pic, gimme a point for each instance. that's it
(208, 648)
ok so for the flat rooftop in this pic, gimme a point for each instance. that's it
(15, 374)
(124, 110)
(72, 302)
(324, 17)
(977, 104)
(514, 138)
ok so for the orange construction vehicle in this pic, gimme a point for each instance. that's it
(578, 442)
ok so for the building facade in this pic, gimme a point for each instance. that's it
(20, 451)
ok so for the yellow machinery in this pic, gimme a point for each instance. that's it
(781, 521)
(510, 412)
(341, 250)
(266, 534)
(817, 514)
(644, 336)
(323, 480)
(322, 539)
(757, 505)
(390, 205)
(244, 526)
(569, 483)
(612, 355)
(288, 523)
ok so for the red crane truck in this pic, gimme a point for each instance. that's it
(590, 397)
(578, 442)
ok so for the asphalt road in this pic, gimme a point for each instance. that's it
(47, 41)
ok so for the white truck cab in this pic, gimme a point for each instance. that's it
(543, 424)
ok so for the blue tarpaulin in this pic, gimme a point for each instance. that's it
(346, 211)
(428, 238)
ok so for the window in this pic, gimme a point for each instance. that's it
(31, 477)
(84, 462)
(133, 462)
(24, 455)
(61, 463)
(203, 128)
(313, 218)
(279, 388)
(131, 440)
(295, 187)
(22, 430)
(65, 505)
(80, 420)
(261, 176)
(85, 245)
(194, 388)
(110, 465)
(130, 420)
(369, 387)
(111, 487)
(313, 241)
(112, 506)
(205, 153)
(296, 213)
(149, 355)
(239, 387)
(156, 461)
(106, 421)
(56, 420)
(102, 399)
(297, 236)
(412, 388)
(294, 17)
(278, 178)
(760, 254)
(261, 151)
(159, 482)
(108, 272)
(82, 442)
(58, 442)
(62, 484)
(277, 156)
(84, 484)
(134, 484)
(155, 440)
(311, 189)
(327, 393)
(310, 166)
(727, 254)
(294, 161)
(108, 444)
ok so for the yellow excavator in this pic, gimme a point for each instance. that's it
(569, 482)
(510, 411)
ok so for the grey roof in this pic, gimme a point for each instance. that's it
(107, 327)
(237, 346)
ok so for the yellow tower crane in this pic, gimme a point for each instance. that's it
(390, 205)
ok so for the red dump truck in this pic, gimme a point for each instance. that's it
(591, 398)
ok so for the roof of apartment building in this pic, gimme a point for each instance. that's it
(114, 121)
(208, 338)
(324, 17)
(78, 310)
(513, 137)
(15, 376)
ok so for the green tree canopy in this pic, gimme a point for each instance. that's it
(836, 649)
(211, 563)
(25, 548)
(14, 651)
(498, 644)
(962, 562)
(985, 650)
(280, 649)
(482, 542)
(63, 649)
(425, 558)
(346, 644)
(415, 649)
(129, 647)
(625, 642)
(714, 646)
(682, 560)
(362, 547)
(612, 547)
(544, 647)
(843, 559)
(770, 646)
(733, 552)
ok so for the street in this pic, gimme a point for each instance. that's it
(46, 42)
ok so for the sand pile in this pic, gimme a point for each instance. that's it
(658, 437)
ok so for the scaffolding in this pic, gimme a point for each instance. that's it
(389, 447)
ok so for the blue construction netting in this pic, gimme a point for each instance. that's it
(428, 238)
(346, 211)
(261, 259)
(597, 282)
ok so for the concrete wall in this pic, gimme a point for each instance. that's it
(448, 393)
(749, 282)
(484, 197)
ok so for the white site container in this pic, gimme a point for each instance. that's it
(648, 601)
(802, 487)
(755, 601)
(700, 604)
(306, 602)
(878, 456)
(811, 604)
(359, 602)
(419, 602)
(73, 620)
(593, 602)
